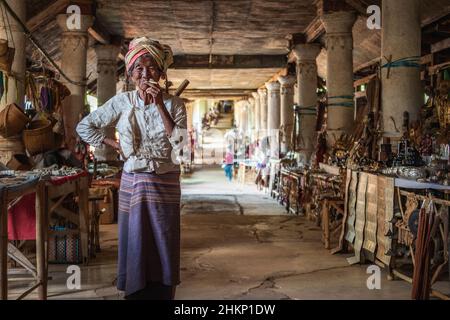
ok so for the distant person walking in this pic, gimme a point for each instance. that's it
(228, 164)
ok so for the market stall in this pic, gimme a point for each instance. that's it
(12, 189)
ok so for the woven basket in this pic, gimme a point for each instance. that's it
(39, 137)
(12, 120)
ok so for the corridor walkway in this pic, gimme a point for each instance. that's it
(238, 243)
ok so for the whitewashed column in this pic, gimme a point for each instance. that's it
(273, 117)
(400, 38)
(306, 55)
(287, 111)
(106, 89)
(339, 44)
(74, 45)
(262, 92)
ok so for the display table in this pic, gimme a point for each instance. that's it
(379, 233)
(56, 191)
(290, 189)
(410, 200)
(322, 185)
(274, 177)
(11, 189)
(50, 193)
(246, 172)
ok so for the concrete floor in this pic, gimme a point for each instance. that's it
(237, 243)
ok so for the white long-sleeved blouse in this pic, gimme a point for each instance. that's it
(144, 143)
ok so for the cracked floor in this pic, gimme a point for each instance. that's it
(237, 243)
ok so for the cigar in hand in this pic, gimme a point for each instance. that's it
(151, 81)
(148, 97)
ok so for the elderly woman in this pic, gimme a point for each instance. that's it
(152, 127)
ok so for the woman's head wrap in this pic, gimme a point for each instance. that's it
(162, 54)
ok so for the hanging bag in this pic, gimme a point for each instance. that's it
(6, 56)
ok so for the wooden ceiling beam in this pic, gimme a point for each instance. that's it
(440, 46)
(100, 34)
(314, 30)
(326, 6)
(229, 61)
(45, 16)
(229, 94)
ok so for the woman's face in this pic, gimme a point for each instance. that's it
(145, 68)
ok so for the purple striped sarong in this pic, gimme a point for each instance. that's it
(149, 230)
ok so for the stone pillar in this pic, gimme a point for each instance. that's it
(400, 39)
(237, 115)
(257, 114)
(251, 119)
(339, 44)
(262, 92)
(306, 55)
(74, 45)
(244, 118)
(106, 89)
(125, 84)
(16, 79)
(273, 117)
(287, 111)
(190, 115)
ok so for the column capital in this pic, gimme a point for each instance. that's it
(255, 95)
(307, 52)
(86, 21)
(262, 92)
(273, 86)
(251, 100)
(338, 22)
(108, 52)
(287, 81)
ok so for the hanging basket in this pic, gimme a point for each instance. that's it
(12, 120)
(39, 137)
(6, 56)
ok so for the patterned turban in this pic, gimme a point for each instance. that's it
(162, 54)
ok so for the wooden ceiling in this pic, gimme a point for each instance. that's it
(217, 27)
(204, 26)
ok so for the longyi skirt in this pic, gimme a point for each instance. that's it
(149, 230)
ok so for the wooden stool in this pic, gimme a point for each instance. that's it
(329, 230)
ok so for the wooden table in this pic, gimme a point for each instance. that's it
(290, 190)
(328, 227)
(56, 193)
(243, 172)
(418, 194)
(8, 195)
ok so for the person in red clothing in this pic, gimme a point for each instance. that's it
(228, 163)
